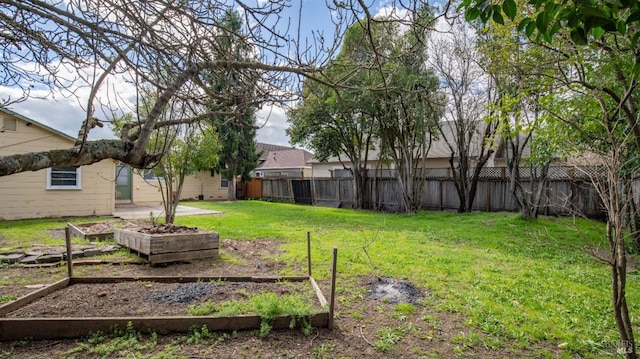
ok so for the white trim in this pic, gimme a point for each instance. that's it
(77, 186)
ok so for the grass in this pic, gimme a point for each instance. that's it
(268, 306)
(22, 233)
(522, 281)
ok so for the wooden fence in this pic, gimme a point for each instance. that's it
(563, 196)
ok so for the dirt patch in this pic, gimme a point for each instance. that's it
(138, 299)
(394, 291)
(165, 229)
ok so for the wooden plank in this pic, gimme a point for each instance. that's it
(76, 231)
(61, 328)
(309, 252)
(181, 243)
(186, 279)
(26, 299)
(332, 296)
(134, 240)
(67, 236)
(321, 298)
(182, 256)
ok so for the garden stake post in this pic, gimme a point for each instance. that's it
(309, 251)
(67, 236)
(332, 299)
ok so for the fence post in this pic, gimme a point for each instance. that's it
(332, 299)
(67, 236)
(309, 252)
(441, 193)
(290, 190)
(488, 187)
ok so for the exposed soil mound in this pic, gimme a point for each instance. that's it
(394, 291)
(166, 229)
(184, 293)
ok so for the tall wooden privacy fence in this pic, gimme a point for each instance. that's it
(567, 192)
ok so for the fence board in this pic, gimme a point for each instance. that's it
(563, 196)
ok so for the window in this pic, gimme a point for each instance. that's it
(63, 178)
(342, 173)
(224, 183)
(9, 124)
(151, 175)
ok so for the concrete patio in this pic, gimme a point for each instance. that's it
(132, 211)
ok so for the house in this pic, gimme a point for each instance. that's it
(282, 161)
(142, 187)
(52, 192)
(276, 162)
(92, 190)
(436, 163)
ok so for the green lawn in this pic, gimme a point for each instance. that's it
(523, 281)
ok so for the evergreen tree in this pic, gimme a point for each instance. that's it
(238, 153)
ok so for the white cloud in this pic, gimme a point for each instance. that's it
(273, 122)
(66, 114)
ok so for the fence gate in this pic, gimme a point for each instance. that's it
(253, 189)
(301, 191)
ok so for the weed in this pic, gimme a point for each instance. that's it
(120, 343)
(405, 308)
(387, 338)
(266, 305)
(200, 335)
(7, 298)
(323, 350)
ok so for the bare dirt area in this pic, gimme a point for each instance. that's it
(138, 299)
(367, 324)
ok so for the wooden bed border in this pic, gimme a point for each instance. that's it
(59, 328)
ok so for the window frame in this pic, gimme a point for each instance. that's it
(225, 181)
(14, 128)
(77, 186)
(150, 175)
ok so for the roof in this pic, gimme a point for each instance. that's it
(36, 123)
(438, 149)
(288, 158)
(267, 147)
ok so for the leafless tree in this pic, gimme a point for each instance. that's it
(469, 134)
(82, 45)
(88, 45)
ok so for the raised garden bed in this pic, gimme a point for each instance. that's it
(44, 326)
(168, 243)
(50, 326)
(95, 231)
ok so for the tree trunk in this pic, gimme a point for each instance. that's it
(457, 181)
(618, 281)
(231, 189)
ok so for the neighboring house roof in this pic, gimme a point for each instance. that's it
(267, 147)
(438, 149)
(36, 123)
(288, 158)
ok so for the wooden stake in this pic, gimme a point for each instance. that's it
(67, 235)
(309, 251)
(332, 299)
